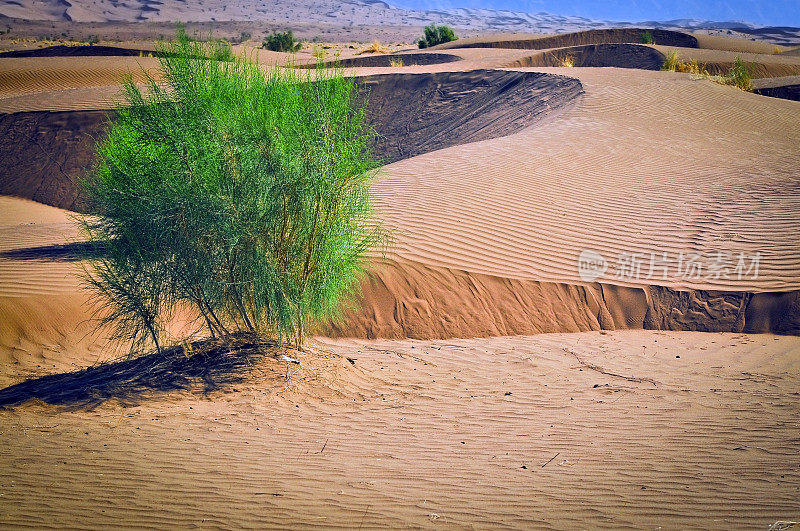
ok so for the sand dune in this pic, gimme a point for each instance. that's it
(78, 51)
(718, 42)
(630, 170)
(386, 60)
(720, 61)
(579, 38)
(597, 55)
(27, 225)
(780, 87)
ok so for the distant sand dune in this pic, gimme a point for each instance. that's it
(597, 55)
(579, 38)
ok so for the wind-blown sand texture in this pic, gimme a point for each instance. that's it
(552, 431)
(498, 179)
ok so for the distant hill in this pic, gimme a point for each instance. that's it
(343, 13)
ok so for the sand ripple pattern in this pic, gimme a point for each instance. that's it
(649, 162)
(26, 225)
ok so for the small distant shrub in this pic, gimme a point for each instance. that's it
(647, 38)
(281, 42)
(437, 35)
(375, 47)
(741, 75)
(319, 52)
(217, 49)
(568, 61)
(93, 39)
(777, 49)
(396, 62)
(222, 51)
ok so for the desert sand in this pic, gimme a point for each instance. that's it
(482, 381)
(628, 429)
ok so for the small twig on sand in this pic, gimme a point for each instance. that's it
(324, 445)
(551, 459)
(746, 446)
(402, 355)
(607, 373)
(364, 516)
(780, 525)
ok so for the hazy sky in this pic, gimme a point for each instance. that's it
(773, 13)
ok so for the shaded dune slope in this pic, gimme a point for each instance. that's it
(787, 88)
(786, 92)
(597, 55)
(580, 38)
(419, 113)
(408, 59)
(46, 153)
(78, 51)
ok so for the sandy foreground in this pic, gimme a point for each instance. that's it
(630, 428)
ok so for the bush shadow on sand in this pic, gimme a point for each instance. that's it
(200, 366)
(67, 252)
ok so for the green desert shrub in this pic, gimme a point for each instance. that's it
(216, 49)
(238, 195)
(741, 75)
(281, 42)
(437, 35)
(647, 38)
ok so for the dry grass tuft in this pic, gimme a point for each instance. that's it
(375, 47)
(674, 64)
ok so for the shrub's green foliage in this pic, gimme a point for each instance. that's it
(647, 37)
(281, 42)
(240, 193)
(741, 75)
(437, 35)
(217, 49)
